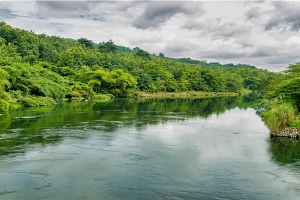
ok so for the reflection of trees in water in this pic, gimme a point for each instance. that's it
(284, 150)
(51, 124)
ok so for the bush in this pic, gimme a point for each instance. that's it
(103, 96)
(280, 115)
(35, 101)
(4, 106)
(4, 95)
(131, 93)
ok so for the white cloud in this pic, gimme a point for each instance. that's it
(255, 33)
(293, 40)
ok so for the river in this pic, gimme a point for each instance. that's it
(216, 148)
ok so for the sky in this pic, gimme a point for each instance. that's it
(265, 34)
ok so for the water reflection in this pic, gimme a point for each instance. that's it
(141, 149)
(49, 125)
(285, 150)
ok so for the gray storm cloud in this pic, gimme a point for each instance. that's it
(285, 15)
(61, 9)
(157, 13)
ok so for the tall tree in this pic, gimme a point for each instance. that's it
(87, 43)
(108, 47)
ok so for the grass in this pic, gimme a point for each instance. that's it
(280, 115)
(188, 94)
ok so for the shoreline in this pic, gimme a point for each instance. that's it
(287, 132)
(139, 95)
(188, 94)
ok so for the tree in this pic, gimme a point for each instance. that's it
(251, 83)
(118, 82)
(143, 54)
(30, 59)
(87, 43)
(108, 47)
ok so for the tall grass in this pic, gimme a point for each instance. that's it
(280, 115)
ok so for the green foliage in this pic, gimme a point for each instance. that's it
(118, 81)
(286, 87)
(49, 66)
(4, 76)
(251, 83)
(35, 101)
(280, 115)
(293, 69)
(80, 90)
(143, 54)
(31, 59)
(103, 96)
(8, 53)
(87, 43)
(4, 95)
(289, 87)
(36, 81)
(108, 47)
(4, 106)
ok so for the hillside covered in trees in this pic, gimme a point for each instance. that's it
(36, 69)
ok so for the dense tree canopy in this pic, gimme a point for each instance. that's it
(34, 66)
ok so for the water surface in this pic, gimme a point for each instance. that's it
(215, 148)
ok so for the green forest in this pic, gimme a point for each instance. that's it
(40, 70)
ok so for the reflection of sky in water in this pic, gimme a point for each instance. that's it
(223, 156)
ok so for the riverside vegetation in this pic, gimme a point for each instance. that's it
(37, 70)
(40, 70)
(282, 113)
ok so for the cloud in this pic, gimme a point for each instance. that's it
(178, 47)
(6, 14)
(87, 15)
(141, 39)
(61, 9)
(223, 54)
(254, 12)
(65, 5)
(157, 13)
(229, 30)
(262, 34)
(285, 15)
(217, 29)
(194, 25)
(293, 40)
(258, 53)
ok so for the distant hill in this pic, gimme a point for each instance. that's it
(211, 64)
(189, 60)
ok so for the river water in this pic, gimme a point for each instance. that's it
(215, 148)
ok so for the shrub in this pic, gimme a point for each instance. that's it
(4, 106)
(35, 101)
(131, 93)
(4, 95)
(280, 115)
(103, 96)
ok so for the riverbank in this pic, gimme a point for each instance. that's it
(34, 101)
(282, 119)
(286, 132)
(189, 94)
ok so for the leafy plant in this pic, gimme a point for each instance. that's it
(4, 106)
(280, 115)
